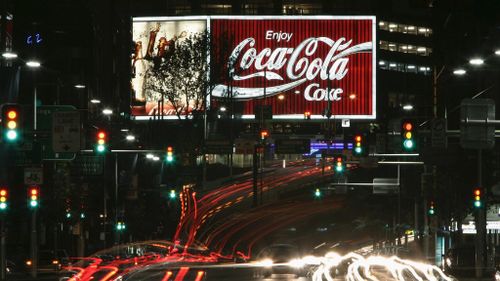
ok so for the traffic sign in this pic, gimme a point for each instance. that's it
(66, 131)
(385, 186)
(292, 146)
(44, 131)
(438, 133)
(244, 146)
(221, 146)
(33, 176)
(477, 136)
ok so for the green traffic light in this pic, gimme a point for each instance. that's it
(477, 204)
(408, 144)
(11, 135)
(3, 206)
(358, 150)
(172, 194)
(431, 211)
(170, 158)
(101, 148)
(317, 193)
(33, 203)
(339, 168)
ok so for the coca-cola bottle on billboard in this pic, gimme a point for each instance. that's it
(151, 43)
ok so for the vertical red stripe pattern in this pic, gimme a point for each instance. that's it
(227, 33)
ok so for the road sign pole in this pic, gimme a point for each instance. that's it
(3, 260)
(34, 246)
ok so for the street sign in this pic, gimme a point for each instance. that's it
(244, 146)
(66, 130)
(472, 135)
(33, 176)
(44, 131)
(263, 112)
(88, 165)
(385, 186)
(346, 123)
(292, 146)
(438, 133)
(222, 146)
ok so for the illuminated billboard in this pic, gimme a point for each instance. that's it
(319, 65)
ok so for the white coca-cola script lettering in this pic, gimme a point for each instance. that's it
(300, 63)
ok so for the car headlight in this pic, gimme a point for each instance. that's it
(266, 262)
(297, 263)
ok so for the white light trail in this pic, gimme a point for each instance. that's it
(372, 268)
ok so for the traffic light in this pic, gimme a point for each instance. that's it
(170, 154)
(317, 193)
(477, 198)
(172, 194)
(11, 122)
(358, 145)
(3, 198)
(120, 226)
(408, 135)
(339, 164)
(33, 195)
(102, 141)
(431, 209)
(264, 134)
(307, 115)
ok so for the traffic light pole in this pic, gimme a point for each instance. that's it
(3, 260)
(34, 246)
(480, 216)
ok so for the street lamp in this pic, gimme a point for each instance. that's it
(459, 71)
(497, 52)
(9, 55)
(33, 64)
(476, 61)
(407, 107)
(95, 101)
(107, 111)
(222, 108)
(80, 86)
(130, 137)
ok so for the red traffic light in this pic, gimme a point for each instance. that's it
(12, 114)
(357, 138)
(408, 126)
(477, 192)
(264, 134)
(101, 135)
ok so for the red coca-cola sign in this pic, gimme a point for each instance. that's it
(295, 64)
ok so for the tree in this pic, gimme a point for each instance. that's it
(181, 76)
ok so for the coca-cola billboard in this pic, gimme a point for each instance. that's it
(322, 65)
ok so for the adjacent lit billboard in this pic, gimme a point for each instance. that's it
(316, 64)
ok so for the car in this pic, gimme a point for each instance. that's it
(280, 259)
(49, 261)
